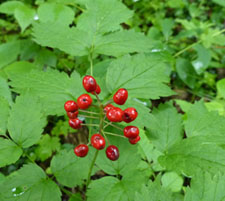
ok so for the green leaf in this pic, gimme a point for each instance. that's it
(165, 127)
(220, 2)
(30, 183)
(103, 16)
(9, 152)
(205, 187)
(172, 181)
(26, 122)
(202, 62)
(9, 52)
(53, 88)
(167, 26)
(4, 114)
(5, 91)
(46, 147)
(9, 7)
(220, 85)
(196, 153)
(73, 170)
(202, 122)
(143, 76)
(51, 12)
(185, 106)
(24, 15)
(186, 72)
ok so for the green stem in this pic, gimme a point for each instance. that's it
(66, 191)
(89, 112)
(114, 134)
(91, 62)
(114, 126)
(91, 117)
(90, 125)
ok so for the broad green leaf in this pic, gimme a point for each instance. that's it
(9, 7)
(29, 183)
(220, 2)
(202, 122)
(172, 181)
(4, 114)
(53, 88)
(103, 16)
(9, 152)
(51, 12)
(185, 106)
(205, 187)
(220, 85)
(143, 76)
(26, 121)
(165, 126)
(5, 91)
(216, 105)
(24, 15)
(73, 170)
(196, 153)
(122, 42)
(186, 72)
(9, 52)
(46, 147)
(45, 57)
(202, 62)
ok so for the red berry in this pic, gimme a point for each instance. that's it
(81, 150)
(131, 131)
(112, 152)
(71, 106)
(72, 115)
(89, 83)
(75, 123)
(134, 140)
(97, 91)
(120, 96)
(130, 114)
(115, 114)
(97, 141)
(84, 101)
(108, 107)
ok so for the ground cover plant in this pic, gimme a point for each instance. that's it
(112, 100)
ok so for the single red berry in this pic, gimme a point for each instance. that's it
(130, 114)
(108, 107)
(89, 83)
(115, 114)
(71, 106)
(75, 123)
(97, 91)
(120, 96)
(84, 101)
(112, 153)
(134, 140)
(72, 115)
(131, 131)
(97, 141)
(81, 150)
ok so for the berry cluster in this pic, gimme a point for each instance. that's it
(112, 113)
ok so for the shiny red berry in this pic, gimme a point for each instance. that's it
(70, 106)
(81, 150)
(115, 114)
(97, 141)
(89, 83)
(120, 96)
(75, 123)
(108, 107)
(131, 131)
(97, 91)
(72, 115)
(130, 114)
(112, 152)
(134, 140)
(84, 101)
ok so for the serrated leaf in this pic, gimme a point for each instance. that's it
(73, 170)
(143, 77)
(202, 122)
(26, 121)
(4, 114)
(5, 91)
(205, 187)
(165, 127)
(9, 152)
(172, 181)
(29, 183)
(196, 153)
(9, 7)
(53, 88)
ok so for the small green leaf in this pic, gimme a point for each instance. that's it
(220, 85)
(9, 7)
(4, 114)
(167, 26)
(172, 181)
(5, 91)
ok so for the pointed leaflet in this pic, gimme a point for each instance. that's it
(26, 122)
(196, 153)
(5, 91)
(53, 88)
(143, 76)
(165, 126)
(29, 183)
(4, 114)
(9, 152)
